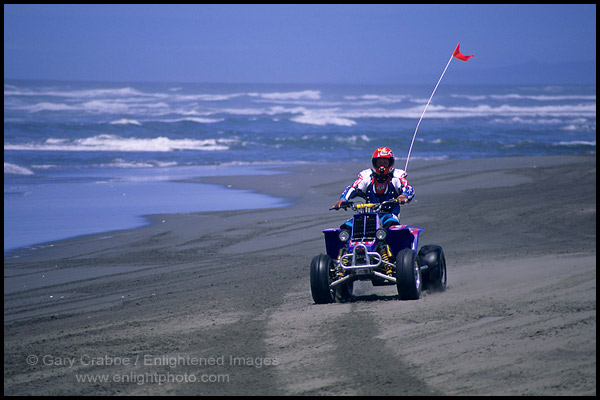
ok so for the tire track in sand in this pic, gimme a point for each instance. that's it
(333, 349)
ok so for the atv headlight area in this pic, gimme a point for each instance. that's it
(381, 234)
(344, 235)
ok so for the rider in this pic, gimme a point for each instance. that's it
(380, 183)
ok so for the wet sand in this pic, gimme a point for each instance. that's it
(219, 303)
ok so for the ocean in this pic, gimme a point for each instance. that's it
(89, 157)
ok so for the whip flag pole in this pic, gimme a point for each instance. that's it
(456, 54)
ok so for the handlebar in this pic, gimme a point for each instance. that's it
(367, 207)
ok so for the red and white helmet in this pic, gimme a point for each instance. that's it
(383, 152)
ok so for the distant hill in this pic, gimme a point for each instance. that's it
(535, 73)
(530, 72)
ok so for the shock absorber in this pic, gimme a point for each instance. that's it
(385, 257)
(339, 269)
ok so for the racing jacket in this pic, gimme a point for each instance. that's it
(379, 190)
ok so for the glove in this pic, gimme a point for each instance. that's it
(337, 205)
(402, 199)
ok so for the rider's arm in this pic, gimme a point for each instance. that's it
(360, 184)
(348, 194)
(402, 199)
(402, 185)
(408, 192)
(353, 190)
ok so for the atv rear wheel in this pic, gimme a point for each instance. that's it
(408, 275)
(320, 279)
(434, 277)
(343, 292)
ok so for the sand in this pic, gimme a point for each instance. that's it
(219, 303)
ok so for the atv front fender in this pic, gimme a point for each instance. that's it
(403, 237)
(333, 244)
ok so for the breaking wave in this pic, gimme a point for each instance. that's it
(117, 143)
(16, 169)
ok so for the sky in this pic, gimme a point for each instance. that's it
(301, 43)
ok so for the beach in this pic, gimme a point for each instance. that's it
(219, 303)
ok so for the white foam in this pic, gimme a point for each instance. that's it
(576, 143)
(117, 143)
(125, 121)
(570, 128)
(48, 106)
(108, 107)
(484, 110)
(299, 95)
(513, 96)
(377, 99)
(43, 166)
(353, 139)
(469, 97)
(275, 110)
(16, 169)
(205, 97)
(193, 119)
(128, 92)
(322, 119)
(341, 116)
(120, 163)
(88, 93)
(516, 96)
(433, 111)
(130, 103)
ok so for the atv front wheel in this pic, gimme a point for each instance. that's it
(320, 279)
(408, 275)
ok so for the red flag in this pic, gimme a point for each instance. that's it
(460, 55)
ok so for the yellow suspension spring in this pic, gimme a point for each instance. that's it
(340, 258)
(385, 256)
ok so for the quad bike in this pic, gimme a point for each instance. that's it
(371, 252)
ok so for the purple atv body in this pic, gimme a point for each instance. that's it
(371, 252)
